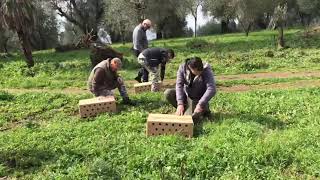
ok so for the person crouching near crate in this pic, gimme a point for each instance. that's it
(195, 86)
(104, 79)
(154, 61)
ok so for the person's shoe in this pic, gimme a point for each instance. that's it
(128, 101)
(138, 78)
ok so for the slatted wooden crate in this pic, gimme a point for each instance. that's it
(94, 106)
(164, 124)
(144, 87)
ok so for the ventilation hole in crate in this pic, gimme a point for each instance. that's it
(162, 129)
(186, 135)
(179, 125)
(176, 129)
(94, 105)
(173, 125)
(186, 125)
(169, 129)
(87, 109)
(110, 103)
(105, 104)
(152, 134)
(99, 104)
(152, 124)
(159, 124)
(156, 129)
(167, 124)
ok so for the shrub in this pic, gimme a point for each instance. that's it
(197, 44)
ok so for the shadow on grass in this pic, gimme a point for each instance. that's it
(31, 160)
(267, 121)
(25, 160)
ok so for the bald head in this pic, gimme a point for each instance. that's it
(115, 64)
(146, 24)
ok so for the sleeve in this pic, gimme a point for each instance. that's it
(211, 87)
(99, 76)
(180, 94)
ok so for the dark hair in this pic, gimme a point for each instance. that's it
(195, 63)
(170, 51)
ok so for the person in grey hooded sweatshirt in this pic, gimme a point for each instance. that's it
(195, 86)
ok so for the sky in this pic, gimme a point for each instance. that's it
(202, 19)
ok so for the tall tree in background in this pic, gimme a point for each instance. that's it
(308, 9)
(224, 10)
(139, 7)
(45, 33)
(192, 7)
(248, 12)
(121, 16)
(18, 16)
(168, 17)
(4, 37)
(278, 20)
(86, 14)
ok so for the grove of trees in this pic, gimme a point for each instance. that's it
(36, 24)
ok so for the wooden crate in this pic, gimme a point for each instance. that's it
(163, 124)
(94, 106)
(144, 87)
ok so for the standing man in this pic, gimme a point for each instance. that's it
(195, 86)
(104, 78)
(140, 43)
(151, 59)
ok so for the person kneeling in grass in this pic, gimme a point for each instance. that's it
(104, 79)
(154, 59)
(195, 86)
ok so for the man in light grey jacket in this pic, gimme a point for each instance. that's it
(140, 43)
(195, 86)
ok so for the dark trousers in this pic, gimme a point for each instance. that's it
(142, 73)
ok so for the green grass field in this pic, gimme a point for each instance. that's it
(228, 54)
(264, 134)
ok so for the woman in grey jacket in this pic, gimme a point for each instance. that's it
(195, 86)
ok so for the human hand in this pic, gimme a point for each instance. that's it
(180, 110)
(198, 109)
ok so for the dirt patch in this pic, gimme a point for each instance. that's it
(269, 75)
(170, 83)
(237, 88)
(288, 85)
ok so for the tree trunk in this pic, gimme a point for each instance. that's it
(123, 37)
(5, 45)
(26, 47)
(247, 30)
(281, 42)
(195, 26)
(224, 26)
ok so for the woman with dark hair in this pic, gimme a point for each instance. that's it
(195, 86)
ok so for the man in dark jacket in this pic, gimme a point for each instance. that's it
(151, 59)
(195, 86)
(104, 78)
